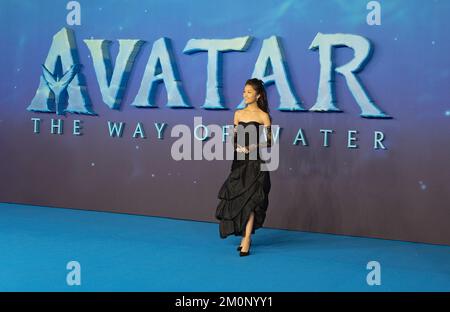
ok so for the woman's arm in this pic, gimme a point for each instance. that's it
(268, 128)
(237, 147)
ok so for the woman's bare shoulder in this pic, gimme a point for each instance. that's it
(239, 112)
(265, 118)
(237, 115)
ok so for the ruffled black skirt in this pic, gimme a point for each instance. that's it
(245, 190)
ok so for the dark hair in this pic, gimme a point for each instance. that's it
(262, 102)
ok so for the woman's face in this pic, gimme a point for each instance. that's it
(250, 95)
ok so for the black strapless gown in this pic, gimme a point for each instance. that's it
(245, 190)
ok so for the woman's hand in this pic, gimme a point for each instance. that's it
(252, 147)
(242, 149)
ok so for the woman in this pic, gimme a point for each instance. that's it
(244, 194)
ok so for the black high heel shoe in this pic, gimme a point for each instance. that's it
(239, 248)
(245, 253)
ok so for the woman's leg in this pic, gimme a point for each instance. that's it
(248, 232)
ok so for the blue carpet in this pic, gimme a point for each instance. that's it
(119, 252)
